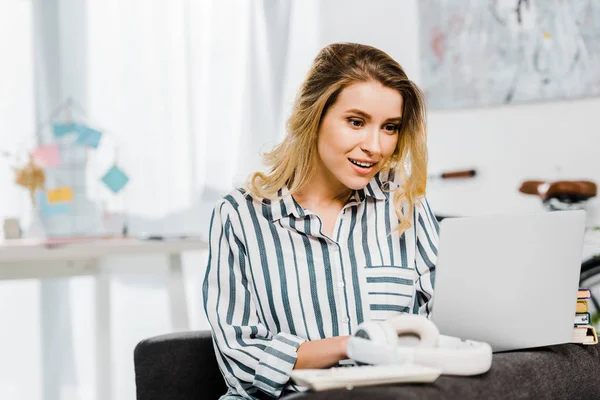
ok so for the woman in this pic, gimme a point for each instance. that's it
(335, 233)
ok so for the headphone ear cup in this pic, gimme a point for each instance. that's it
(378, 332)
(414, 324)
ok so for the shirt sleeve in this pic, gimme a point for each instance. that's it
(250, 356)
(427, 237)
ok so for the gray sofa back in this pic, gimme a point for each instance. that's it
(178, 366)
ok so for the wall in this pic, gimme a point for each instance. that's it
(506, 144)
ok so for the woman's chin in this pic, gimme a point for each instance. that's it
(356, 182)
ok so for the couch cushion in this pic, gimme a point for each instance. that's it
(179, 366)
(567, 371)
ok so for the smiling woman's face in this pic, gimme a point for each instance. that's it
(358, 134)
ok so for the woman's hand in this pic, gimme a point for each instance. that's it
(321, 353)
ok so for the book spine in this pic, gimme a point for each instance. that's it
(582, 319)
(582, 306)
(583, 293)
(584, 334)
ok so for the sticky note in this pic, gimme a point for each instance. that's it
(61, 130)
(115, 179)
(59, 195)
(50, 210)
(88, 136)
(46, 156)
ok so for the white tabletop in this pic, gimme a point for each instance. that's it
(33, 250)
(65, 258)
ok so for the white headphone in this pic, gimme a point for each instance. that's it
(414, 339)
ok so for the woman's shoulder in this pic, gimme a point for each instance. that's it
(232, 199)
(391, 180)
(237, 200)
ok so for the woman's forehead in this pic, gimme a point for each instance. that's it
(371, 98)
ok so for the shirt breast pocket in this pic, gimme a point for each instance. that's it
(390, 290)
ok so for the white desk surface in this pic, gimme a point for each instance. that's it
(23, 250)
(40, 259)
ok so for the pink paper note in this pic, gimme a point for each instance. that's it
(46, 156)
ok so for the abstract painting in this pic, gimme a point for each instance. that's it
(477, 53)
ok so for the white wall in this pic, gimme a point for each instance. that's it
(505, 144)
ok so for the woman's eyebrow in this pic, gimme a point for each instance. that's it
(395, 119)
(368, 117)
(359, 112)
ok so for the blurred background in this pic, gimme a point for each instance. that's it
(140, 114)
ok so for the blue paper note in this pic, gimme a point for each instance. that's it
(50, 210)
(61, 130)
(88, 136)
(115, 179)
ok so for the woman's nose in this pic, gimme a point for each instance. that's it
(370, 142)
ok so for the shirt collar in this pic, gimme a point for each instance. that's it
(287, 206)
(374, 188)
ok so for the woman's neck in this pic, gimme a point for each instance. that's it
(314, 198)
(322, 193)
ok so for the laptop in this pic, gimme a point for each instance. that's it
(509, 280)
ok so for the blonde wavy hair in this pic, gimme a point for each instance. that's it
(336, 67)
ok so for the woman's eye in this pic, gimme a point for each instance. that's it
(391, 128)
(356, 123)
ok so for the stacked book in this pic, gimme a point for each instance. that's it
(583, 332)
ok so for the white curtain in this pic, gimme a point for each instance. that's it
(19, 343)
(187, 93)
(17, 107)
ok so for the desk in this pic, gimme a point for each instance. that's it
(37, 259)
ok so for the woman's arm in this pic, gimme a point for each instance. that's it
(427, 231)
(251, 357)
(321, 353)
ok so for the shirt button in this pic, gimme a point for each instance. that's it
(340, 284)
(336, 249)
(345, 320)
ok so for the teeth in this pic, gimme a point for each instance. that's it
(360, 164)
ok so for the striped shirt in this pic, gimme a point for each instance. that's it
(274, 279)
